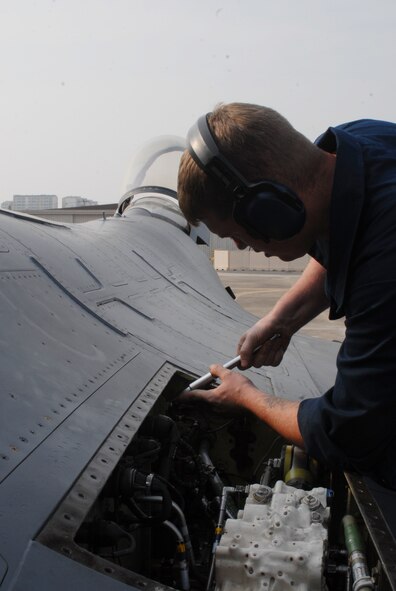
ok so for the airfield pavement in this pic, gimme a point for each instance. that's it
(257, 292)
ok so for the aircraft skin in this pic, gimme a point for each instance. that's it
(89, 314)
(96, 318)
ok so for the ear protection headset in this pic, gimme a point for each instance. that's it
(267, 210)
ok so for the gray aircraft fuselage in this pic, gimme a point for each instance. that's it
(89, 314)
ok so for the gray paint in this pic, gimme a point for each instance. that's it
(89, 314)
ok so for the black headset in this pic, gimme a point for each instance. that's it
(267, 210)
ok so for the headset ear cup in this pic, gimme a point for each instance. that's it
(266, 209)
(269, 215)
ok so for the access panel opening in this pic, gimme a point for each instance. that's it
(145, 510)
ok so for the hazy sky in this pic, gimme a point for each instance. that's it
(83, 83)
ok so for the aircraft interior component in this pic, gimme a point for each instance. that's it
(356, 552)
(227, 490)
(299, 469)
(278, 541)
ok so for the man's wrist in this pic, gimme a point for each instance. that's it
(253, 397)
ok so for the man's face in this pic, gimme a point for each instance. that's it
(286, 250)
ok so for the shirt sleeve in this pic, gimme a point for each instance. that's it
(353, 425)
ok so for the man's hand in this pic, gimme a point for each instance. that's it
(272, 338)
(232, 392)
(304, 300)
(237, 391)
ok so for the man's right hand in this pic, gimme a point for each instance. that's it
(304, 300)
(264, 334)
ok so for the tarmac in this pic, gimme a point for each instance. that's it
(257, 293)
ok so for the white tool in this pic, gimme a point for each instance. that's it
(207, 378)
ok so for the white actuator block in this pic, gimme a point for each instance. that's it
(277, 543)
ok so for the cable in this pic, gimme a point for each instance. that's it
(266, 454)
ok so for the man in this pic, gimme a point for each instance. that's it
(345, 187)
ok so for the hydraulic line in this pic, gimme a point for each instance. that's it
(133, 481)
(357, 557)
(220, 526)
(173, 490)
(183, 523)
(185, 533)
(216, 481)
(164, 429)
(181, 555)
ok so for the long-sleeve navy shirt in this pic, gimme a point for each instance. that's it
(353, 425)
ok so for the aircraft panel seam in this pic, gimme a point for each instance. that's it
(77, 300)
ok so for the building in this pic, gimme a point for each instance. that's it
(75, 215)
(34, 202)
(77, 201)
(222, 251)
(248, 260)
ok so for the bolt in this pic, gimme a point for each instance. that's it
(263, 494)
(316, 517)
(312, 502)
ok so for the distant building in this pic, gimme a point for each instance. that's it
(72, 215)
(34, 202)
(76, 201)
(7, 205)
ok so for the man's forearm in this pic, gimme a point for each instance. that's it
(278, 413)
(237, 390)
(306, 299)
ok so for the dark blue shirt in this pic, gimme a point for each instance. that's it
(353, 425)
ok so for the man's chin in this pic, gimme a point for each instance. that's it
(286, 259)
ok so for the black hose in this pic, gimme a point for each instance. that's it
(164, 429)
(173, 489)
(132, 481)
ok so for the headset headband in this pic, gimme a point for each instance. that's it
(205, 152)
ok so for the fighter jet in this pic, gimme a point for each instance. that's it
(108, 480)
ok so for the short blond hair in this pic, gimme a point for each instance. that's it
(261, 144)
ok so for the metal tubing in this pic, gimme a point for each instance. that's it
(183, 566)
(183, 526)
(357, 558)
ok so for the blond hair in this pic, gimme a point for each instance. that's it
(261, 144)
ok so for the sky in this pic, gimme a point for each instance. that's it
(84, 83)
